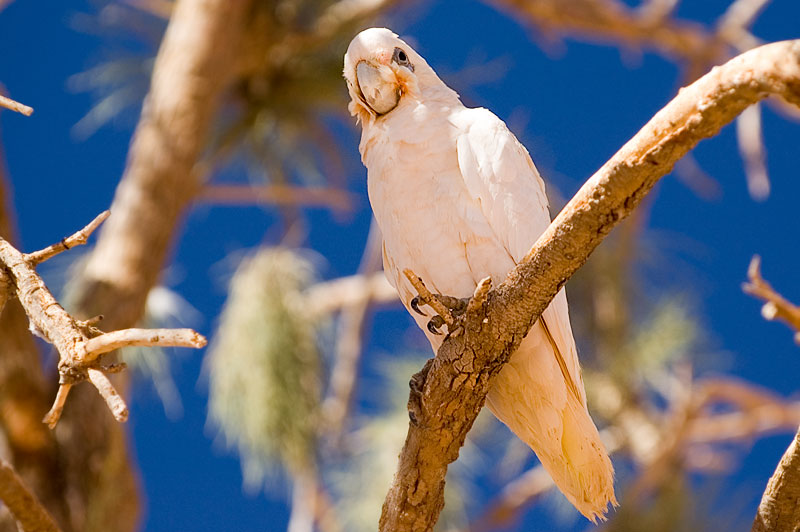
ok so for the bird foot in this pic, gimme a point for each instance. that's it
(454, 306)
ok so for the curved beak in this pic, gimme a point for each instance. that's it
(381, 95)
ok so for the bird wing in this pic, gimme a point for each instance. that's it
(499, 174)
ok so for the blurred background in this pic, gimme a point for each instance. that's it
(217, 133)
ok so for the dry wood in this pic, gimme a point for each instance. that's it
(779, 510)
(23, 504)
(78, 343)
(191, 74)
(141, 337)
(78, 239)
(452, 389)
(776, 306)
(25, 394)
(8, 103)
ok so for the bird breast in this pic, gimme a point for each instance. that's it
(429, 221)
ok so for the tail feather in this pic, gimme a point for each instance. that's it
(531, 396)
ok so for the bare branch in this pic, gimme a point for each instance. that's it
(107, 391)
(193, 70)
(8, 103)
(779, 511)
(330, 296)
(78, 239)
(450, 395)
(54, 414)
(22, 503)
(333, 198)
(111, 341)
(776, 306)
(79, 344)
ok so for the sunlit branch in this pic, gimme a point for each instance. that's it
(450, 391)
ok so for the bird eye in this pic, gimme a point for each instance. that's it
(401, 58)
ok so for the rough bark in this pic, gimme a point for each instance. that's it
(779, 510)
(450, 391)
(193, 69)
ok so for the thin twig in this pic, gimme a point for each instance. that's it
(111, 341)
(77, 239)
(107, 391)
(22, 503)
(8, 103)
(79, 344)
(776, 306)
(52, 417)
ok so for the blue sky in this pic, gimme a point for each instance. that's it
(572, 109)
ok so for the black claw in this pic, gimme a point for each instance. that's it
(415, 306)
(434, 324)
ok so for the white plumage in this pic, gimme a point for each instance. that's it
(457, 199)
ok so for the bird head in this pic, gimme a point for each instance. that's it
(381, 70)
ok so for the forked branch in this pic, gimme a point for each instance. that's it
(451, 392)
(779, 510)
(79, 343)
(776, 307)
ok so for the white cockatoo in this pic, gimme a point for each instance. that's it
(458, 199)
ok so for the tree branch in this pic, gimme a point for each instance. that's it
(453, 389)
(79, 344)
(776, 306)
(22, 503)
(194, 68)
(8, 103)
(78, 239)
(329, 296)
(779, 510)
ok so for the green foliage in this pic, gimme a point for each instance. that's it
(264, 366)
